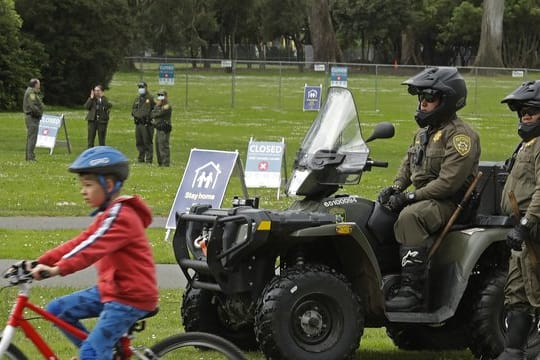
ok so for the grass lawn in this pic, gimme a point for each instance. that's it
(266, 108)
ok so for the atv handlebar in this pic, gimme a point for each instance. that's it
(374, 163)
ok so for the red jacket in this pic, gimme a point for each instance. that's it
(116, 242)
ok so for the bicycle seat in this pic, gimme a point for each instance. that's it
(150, 314)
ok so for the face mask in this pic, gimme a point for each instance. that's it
(161, 97)
(142, 91)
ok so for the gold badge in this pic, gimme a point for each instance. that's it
(462, 143)
(530, 142)
(147, 101)
(166, 106)
(437, 136)
(32, 97)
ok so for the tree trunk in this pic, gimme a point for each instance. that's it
(323, 36)
(490, 48)
(408, 45)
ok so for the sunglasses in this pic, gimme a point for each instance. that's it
(531, 111)
(428, 95)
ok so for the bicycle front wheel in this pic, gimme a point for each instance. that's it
(191, 344)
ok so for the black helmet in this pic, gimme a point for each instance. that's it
(526, 95)
(102, 160)
(449, 83)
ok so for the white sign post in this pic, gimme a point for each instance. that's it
(49, 127)
(264, 163)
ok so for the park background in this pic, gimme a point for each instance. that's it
(267, 106)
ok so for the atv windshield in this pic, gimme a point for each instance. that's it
(333, 144)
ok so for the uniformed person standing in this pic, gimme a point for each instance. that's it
(33, 109)
(440, 164)
(98, 107)
(144, 131)
(161, 119)
(522, 289)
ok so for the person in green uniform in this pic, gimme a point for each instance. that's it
(522, 288)
(161, 120)
(33, 110)
(98, 107)
(440, 164)
(144, 131)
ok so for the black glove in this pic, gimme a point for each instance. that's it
(517, 236)
(398, 201)
(385, 194)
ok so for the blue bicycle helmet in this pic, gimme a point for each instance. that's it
(103, 161)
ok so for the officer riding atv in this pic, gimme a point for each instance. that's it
(303, 283)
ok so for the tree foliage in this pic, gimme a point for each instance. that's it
(521, 34)
(85, 42)
(74, 44)
(19, 57)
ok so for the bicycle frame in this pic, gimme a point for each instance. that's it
(17, 320)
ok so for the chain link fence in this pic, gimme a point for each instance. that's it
(208, 83)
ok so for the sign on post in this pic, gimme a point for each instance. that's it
(166, 74)
(205, 181)
(264, 164)
(312, 97)
(338, 76)
(49, 127)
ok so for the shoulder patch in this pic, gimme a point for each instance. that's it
(166, 106)
(462, 144)
(32, 96)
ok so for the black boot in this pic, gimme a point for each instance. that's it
(410, 296)
(519, 326)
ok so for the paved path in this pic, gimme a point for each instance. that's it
(60, 222)
(168, 275)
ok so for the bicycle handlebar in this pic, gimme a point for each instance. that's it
(18, 273)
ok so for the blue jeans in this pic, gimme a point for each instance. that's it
(115, 319)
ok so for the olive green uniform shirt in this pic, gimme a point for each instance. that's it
(32, 104)
(524, 181)
(142, 108)
(440, 164)
(522, 289)
(443, 167)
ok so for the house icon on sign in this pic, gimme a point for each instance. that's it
(206, 176)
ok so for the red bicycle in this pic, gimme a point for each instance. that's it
(173, 347)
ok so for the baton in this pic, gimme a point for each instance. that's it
(455, 215)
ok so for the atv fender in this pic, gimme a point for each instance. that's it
(356, 258)
(453, 264)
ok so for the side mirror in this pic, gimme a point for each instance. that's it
(383, 130)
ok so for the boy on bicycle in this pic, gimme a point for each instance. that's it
(116, 243)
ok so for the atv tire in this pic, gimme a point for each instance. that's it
(309, 312)
(199, 312)
(488, 321)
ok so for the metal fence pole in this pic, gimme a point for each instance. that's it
(187, 90)
(233, 82)
(279, 87)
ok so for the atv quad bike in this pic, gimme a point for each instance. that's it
(303, 283)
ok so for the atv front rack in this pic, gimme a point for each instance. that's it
(238, 250)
